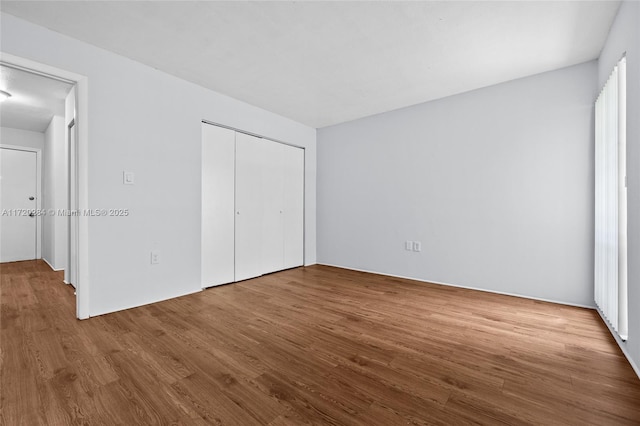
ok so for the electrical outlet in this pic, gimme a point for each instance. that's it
(417, 246)
(155, 257)
(408, 245)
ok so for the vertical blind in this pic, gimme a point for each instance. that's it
(611, 201)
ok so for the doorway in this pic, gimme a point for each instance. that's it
(64, 166)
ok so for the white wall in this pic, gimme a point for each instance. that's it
(147, 122)
(24, 138)
(54, 194)
(625, 37)
(496, 183)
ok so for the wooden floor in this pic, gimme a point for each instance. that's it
(314, 345)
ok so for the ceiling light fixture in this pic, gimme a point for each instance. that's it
(4, 95)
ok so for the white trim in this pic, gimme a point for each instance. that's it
(577, 305)
(83, 284)
(52, 268)
(235, 129)
(621, 343)
(38, 153)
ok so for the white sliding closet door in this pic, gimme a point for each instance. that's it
(250, 157)
(218, 214)
(252, 206)
(269, 206)
(293, 202)
(272, 206)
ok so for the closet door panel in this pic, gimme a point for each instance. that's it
(293, 206)
(272, 219)
(249, 207)
(217, 235)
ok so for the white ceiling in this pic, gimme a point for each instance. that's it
(34, 100)
(322, 63)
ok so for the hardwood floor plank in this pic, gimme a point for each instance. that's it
(495, 409)
(309, 403)
(307, 346)
(204, 397)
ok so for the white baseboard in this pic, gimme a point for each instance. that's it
(51, 266)
(465, 287)
(621, 343)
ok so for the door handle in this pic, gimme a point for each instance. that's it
(32, 198)
(32, 214)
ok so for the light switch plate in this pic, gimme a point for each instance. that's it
(417, 246)
(408, 245)
(128, 178)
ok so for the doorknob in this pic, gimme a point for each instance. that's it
(31, 198)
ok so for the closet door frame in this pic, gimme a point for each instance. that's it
(303, 183)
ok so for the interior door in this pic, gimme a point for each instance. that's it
(218, 214)
(18, 174)
(249, 207)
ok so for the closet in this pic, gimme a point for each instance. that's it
(252, 206)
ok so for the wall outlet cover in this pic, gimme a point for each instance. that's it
(128, 178)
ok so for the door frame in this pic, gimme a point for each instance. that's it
(71, 272)
(83, 284)
(38, 153)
